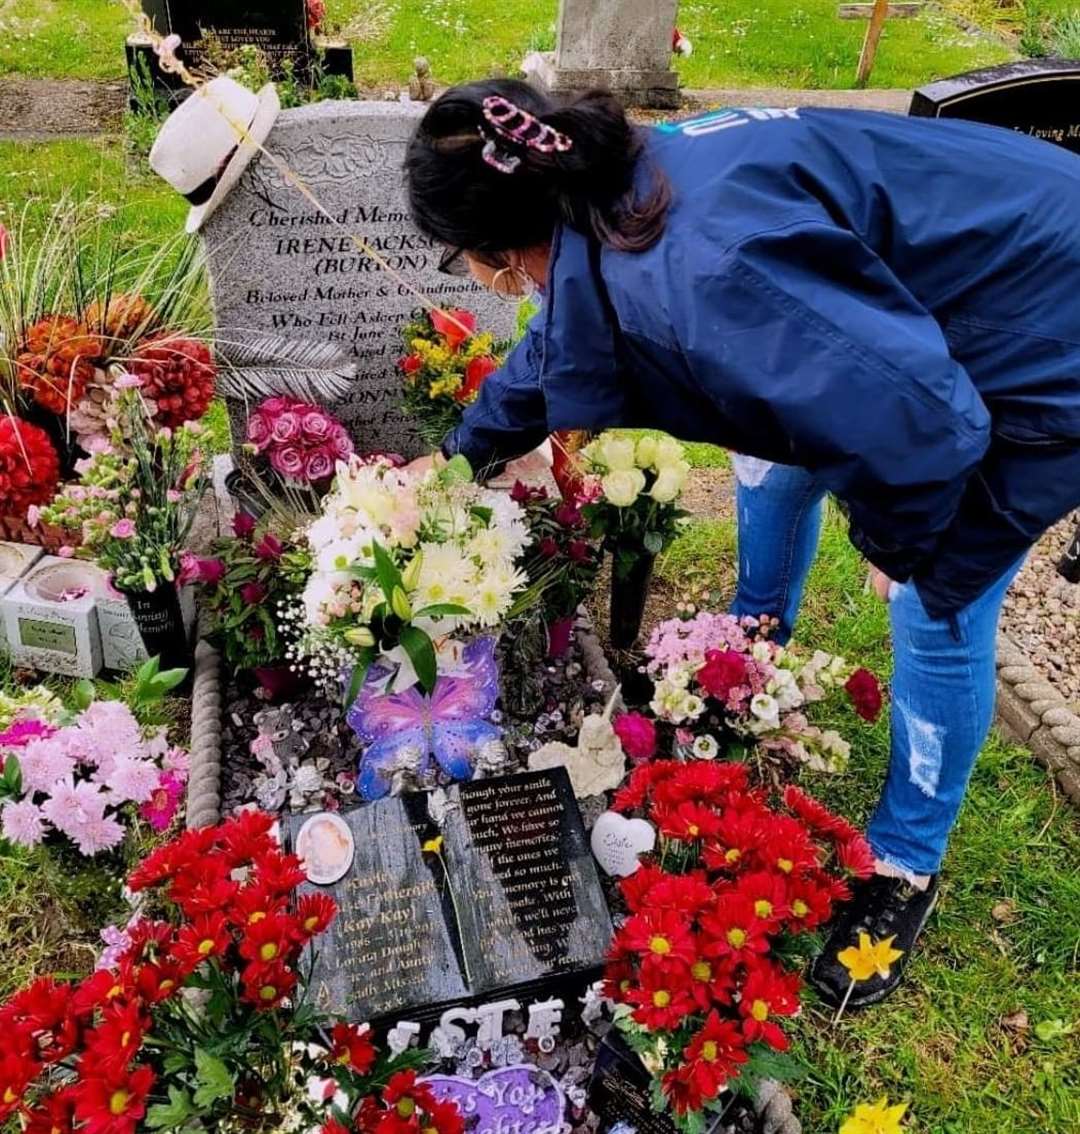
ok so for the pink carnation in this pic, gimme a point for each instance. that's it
(23, 823)
(637, 735)
(160, 809)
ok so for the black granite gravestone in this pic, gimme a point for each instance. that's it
(620, 1094)
(1039, 97)
(510, 901)
(278, 28)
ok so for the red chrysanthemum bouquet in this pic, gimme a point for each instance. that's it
(697, 967)
(447, 363)
(202, 1023)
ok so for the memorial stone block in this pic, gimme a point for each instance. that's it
(624, 46)
(1038, 97)
(279, 265)
(509, 901)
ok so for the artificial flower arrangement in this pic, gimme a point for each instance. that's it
(136, 498)
(446, 364)
(698, 969)
(718, 678)
(200, 1020)
(67, 349)
(399, 560)
(243, 581)
(300, 441)
(562, 562)
(86, 774)
(632, 506)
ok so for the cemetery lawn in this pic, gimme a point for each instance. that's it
(736, 43)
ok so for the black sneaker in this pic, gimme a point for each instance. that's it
(882, 907)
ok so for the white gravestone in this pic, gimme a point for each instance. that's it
(279, 267)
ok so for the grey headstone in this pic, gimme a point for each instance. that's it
(623, 45)
(278, 266)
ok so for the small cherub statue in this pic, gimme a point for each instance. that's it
(597, 764)
(421, 85)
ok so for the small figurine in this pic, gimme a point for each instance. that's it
(421, 85)
(597, 764)
(400, 1037)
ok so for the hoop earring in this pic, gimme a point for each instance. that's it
(508, 295)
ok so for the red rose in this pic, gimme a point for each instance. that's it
(865, 693)
(475, 373)
(455, 325)
(723, 671)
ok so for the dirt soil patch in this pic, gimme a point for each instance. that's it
(34, 110)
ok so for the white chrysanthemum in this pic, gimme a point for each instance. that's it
(445, 575)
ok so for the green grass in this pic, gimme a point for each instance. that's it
(753, 42)
(952, 1042)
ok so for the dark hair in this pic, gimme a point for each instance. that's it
(463, 201)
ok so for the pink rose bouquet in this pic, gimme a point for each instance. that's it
(302, 442)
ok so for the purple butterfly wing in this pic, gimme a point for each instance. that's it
(376, 715)
(456, 745)
(380, 761)
(470, 695)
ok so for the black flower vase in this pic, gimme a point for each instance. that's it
(1069, 567)
(160, 621)
(630, 578)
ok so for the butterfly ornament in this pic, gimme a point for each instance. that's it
(404, 731)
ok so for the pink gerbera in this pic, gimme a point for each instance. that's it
(160, 808)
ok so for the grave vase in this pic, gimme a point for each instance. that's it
(160, 620)
(560, 633)
(630, 579)
(1069, 566)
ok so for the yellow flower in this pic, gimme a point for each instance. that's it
(869, 958)
(877, 1119)
(433, 845)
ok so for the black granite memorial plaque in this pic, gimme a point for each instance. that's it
(620, 1094)
(277, 27)
(510, 900)
(1039, 97)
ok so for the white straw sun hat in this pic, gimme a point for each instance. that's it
(210, 139)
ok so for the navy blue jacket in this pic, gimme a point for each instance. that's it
(892, 303)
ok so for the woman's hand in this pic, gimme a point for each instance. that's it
(881, 583)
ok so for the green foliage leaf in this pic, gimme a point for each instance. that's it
(457, 470)
(359, 673)
(385, 571)
(11, 780)
(422, 655)
(174, 1113)
(214, 1079)
(482, 513)
(83, 693)
(438, 609)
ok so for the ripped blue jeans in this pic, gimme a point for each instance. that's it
(943, 679)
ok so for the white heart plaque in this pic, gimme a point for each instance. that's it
(617, 842)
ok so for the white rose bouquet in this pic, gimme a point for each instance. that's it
(400, 560)
(636, 511)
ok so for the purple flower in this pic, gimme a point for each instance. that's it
(288, 461)
(253, 593)
(269, 548)
(286, 428)
(243, 525)
(123, 529)
(317, 426)
(259, 429)
(22, 822)
(319, 466)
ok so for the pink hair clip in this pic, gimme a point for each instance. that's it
(515, 125)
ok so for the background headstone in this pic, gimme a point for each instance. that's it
(511, 901)
(277, 266)
(623, 45)
(1038, 97)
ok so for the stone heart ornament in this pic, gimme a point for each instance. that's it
(618, 843)
(511, 1100)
